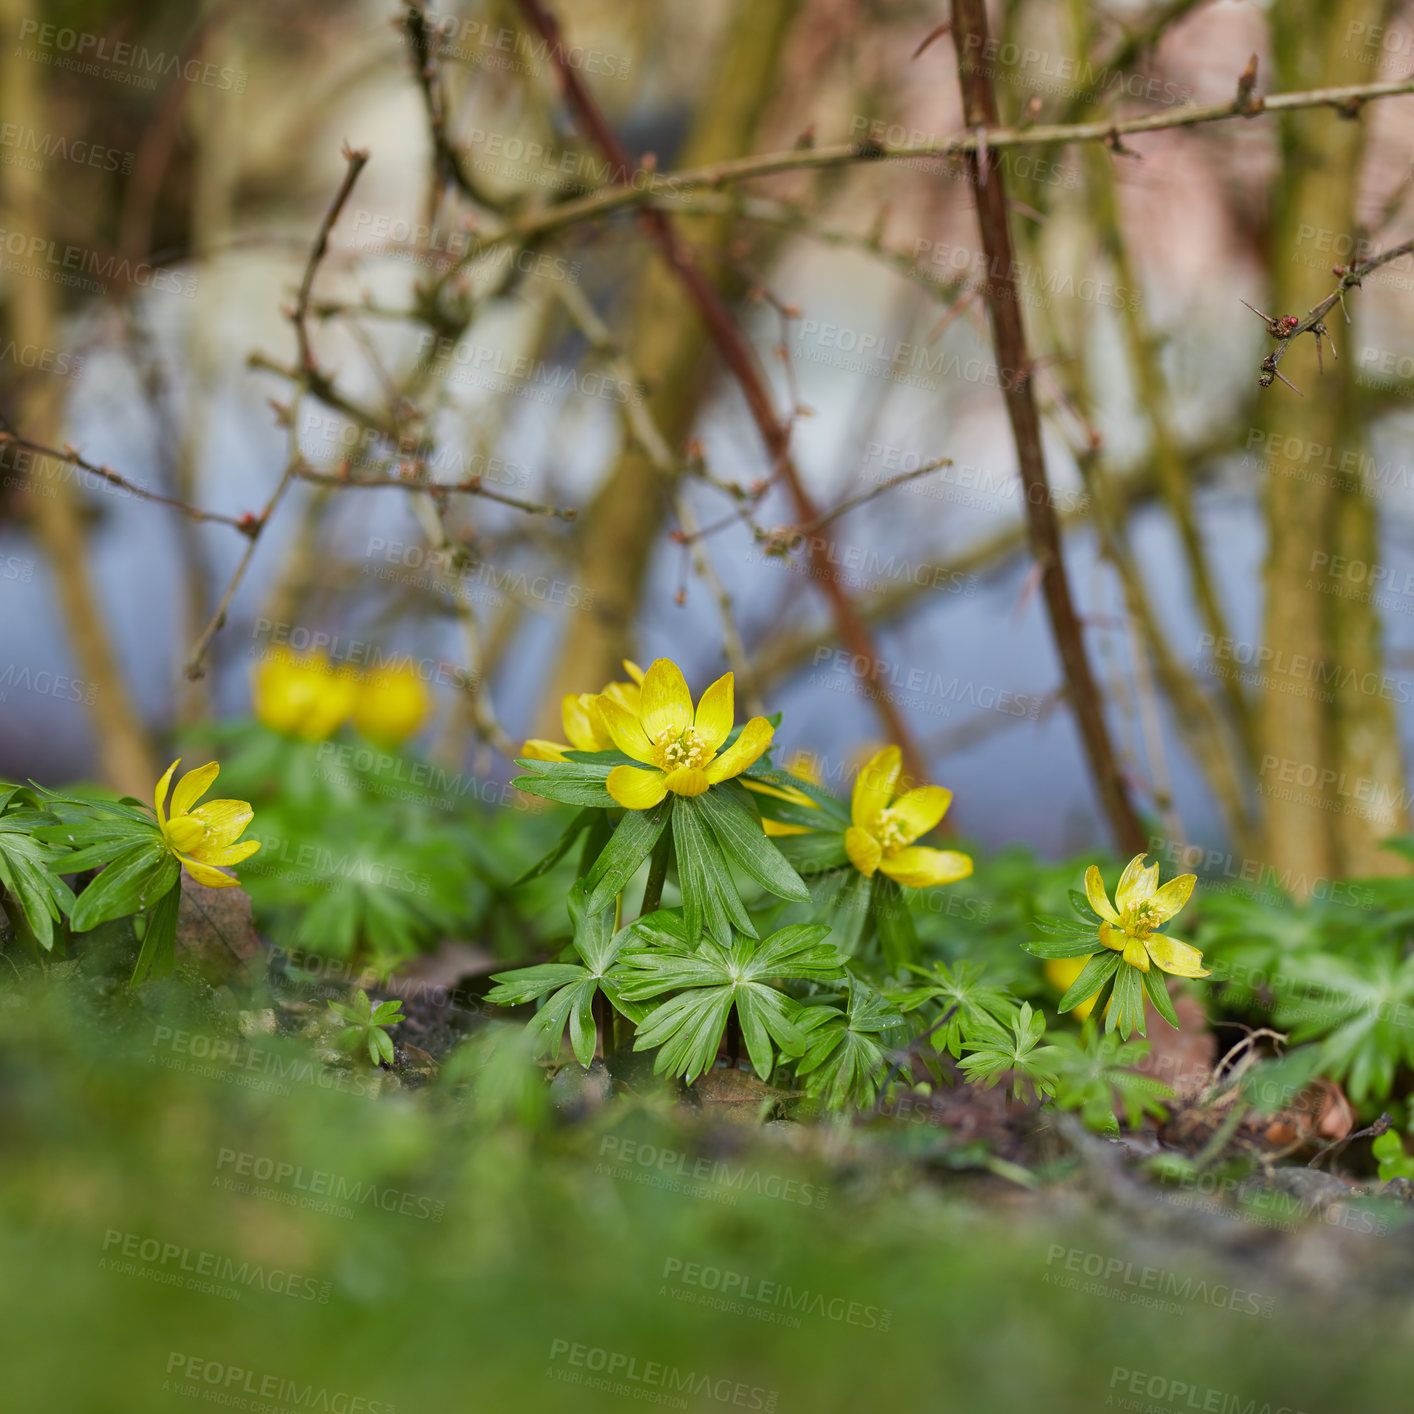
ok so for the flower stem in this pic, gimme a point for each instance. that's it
(657, 873)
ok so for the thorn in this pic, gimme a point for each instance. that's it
(1288, 383)
(1258, 312)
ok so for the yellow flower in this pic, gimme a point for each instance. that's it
(583, 722)
(884, 829)
(681, 751)
(804, 765)
(302, 695)
(391, 704)
(1140, 906)
(204, 837)
(1061, 972)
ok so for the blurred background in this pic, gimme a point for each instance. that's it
(1241, 555)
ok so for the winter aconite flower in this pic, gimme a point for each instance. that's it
(884, 828)
(681, 750)
(583, 722)
(1140, 906)
(205, 836)
(390, 704)
(302, 695)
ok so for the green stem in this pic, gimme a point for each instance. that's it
(657, 873)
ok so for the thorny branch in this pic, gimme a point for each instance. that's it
(1287, 328)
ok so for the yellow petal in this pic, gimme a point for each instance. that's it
(1061, 972)
(776, 828)
(875, 785)
(919, 868)
(667, 704)
(159, 797)
(538, 750)
(687, 780)
(192, 787)
(1095, 892)
(863, 850)
(716, 713)
(1135, 954)
(205, 874)
(224, 821)
(919, 810)
(1114, 938)
(1169, 899)
(584, 724)
(636, 789)
(1136, 883)
(234, 854)
(633, 670)
(745, 751)
(626, 731)
(1180, 958)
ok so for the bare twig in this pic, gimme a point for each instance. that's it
(969, 19)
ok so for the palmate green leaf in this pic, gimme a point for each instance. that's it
(1019, 1054)
(731, 817)
(1094, 1069)
(711, 903)
(1358, 1009)
(570, 988)
(137, 877)
(710, 980)
(846, 1058)
(630, 844)
(968, 1008)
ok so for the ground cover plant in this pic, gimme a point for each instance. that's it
(706, 706)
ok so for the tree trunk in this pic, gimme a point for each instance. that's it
(124, 756)
(1308, 835)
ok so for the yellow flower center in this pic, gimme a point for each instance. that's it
(889, 831)
(185, 833)
(676, 750)
(1140, 921)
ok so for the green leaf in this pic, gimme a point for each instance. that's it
(158, 955)
(845, 1060)
(569, 782)
(1158, 992)
(631, 843)
(528, 983)
(711, 904)
(1093, 977)
(745, 843)
(1126, 1013)
(25, 872)
(1064, 937)
(135, 879)
(897, 934)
